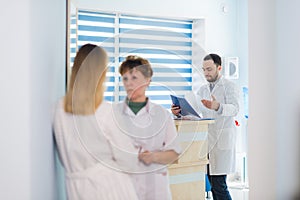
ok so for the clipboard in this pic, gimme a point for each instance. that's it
(186, 108)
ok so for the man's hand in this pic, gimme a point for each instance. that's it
(175, 110)
(211, 104)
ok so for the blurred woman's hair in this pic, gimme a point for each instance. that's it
(138, 63)
(86, 87)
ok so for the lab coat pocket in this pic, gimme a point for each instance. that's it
(226, 139)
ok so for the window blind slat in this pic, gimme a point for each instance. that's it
(155, 32)
(154, 51)
(136, 21)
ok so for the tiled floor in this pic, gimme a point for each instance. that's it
(239, 193)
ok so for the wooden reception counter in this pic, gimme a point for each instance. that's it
(187, 175)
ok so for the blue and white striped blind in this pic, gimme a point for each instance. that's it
(73, 39)
(166, 43)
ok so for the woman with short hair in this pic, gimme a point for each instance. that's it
(151, 129)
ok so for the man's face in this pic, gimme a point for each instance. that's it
(210, 70)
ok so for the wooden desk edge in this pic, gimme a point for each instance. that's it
(178, 165)
(191, 122)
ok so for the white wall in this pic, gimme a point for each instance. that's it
(32, 78)
(288, 107)
(242, 41)
(274, 141)
(15, 101)
(262, 100)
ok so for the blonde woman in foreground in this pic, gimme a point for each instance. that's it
(85, 152)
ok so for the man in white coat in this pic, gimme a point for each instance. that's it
(219, 101)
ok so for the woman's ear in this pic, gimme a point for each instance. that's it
(148, 82)
(103, 75)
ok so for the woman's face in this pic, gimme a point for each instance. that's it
(135, 84)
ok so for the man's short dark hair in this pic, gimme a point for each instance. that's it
(216, 58)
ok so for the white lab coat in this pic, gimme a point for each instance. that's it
(221, 134)
(151, 129)
(88, 158)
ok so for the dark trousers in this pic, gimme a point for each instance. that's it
(219, 187)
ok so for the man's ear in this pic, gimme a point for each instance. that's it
(220, 67)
